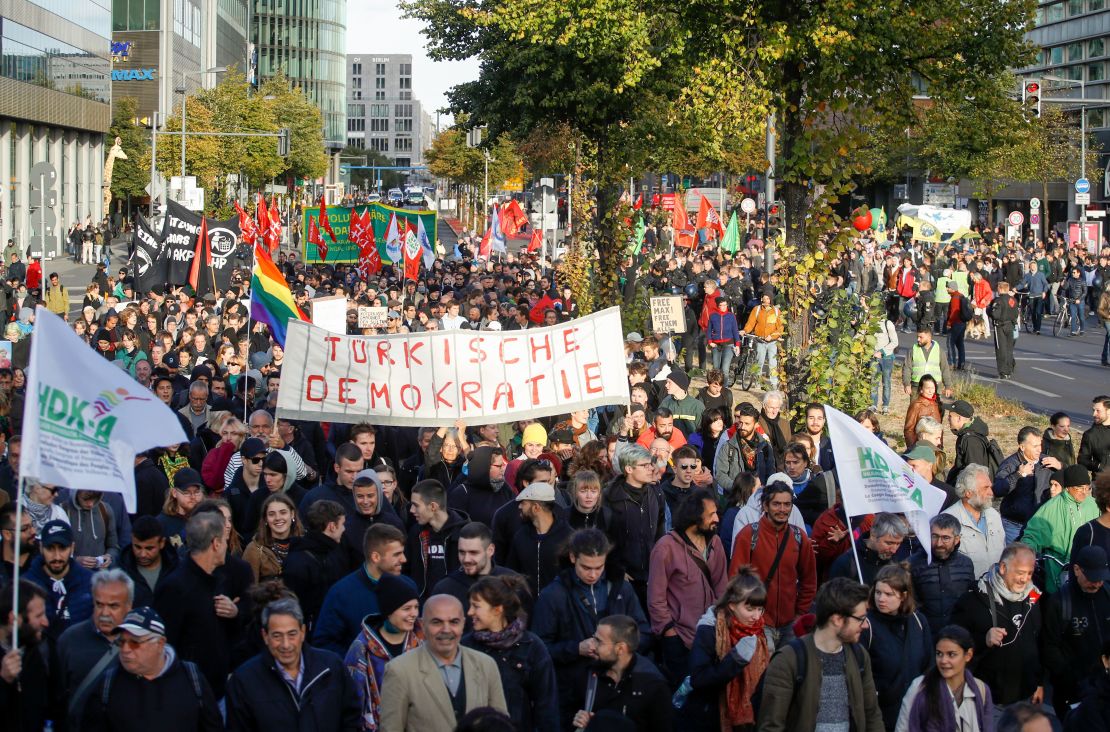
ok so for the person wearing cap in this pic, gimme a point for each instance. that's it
(922, 459)
(394, 630)
(537, 546)
(291, 685)
(149, 685)
(1051, 529)
(1076, 626)
(247, 480)
(1022, 480)
(68, 585)
(687, 410)
(925, 357)
(972, 440)
(188, 490)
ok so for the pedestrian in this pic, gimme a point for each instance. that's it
(68, 585)
(316, 560)
(277, 527)
(765, 322)
(982, 534)
(972, 440)
(883, 545)
(1056, 441)
(1094, 446)
(723, 339)
(747, 450)
(1050, 531)
(639, 511)
(1093, 713)
(947, 696)
(886, 343)
(940, 581)
(148, 560)
(414, 700)
(26, 677)
(291, 685)
(538, 544)
(1004, 314)
(1022, 481)
(484, 489)
(960, 313)
(841, 664)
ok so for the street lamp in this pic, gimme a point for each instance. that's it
(184, 93)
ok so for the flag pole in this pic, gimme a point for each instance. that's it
(246, 366)
(855, 552)
(18, 536)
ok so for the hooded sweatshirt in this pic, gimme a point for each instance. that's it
(972, 446)
(94, 529)
(477, 496)
(432, 554)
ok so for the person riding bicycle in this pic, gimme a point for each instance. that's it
(765, 323)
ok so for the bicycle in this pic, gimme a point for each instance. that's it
(1025, 311)
(1062, 323)
(743, 373)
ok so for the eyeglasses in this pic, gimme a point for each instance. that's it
(861, 619)
(688, 466)
(133, 643)
(256, 460)
(192, 492)
(643, 465)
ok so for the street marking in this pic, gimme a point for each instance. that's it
(1011, 382)
(1052, 373)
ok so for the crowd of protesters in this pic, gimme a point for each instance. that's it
(683, 562)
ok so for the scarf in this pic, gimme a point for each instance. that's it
(992, 582)
(774, 432)
(736, 700)
(501, 639)
(40, 513)
(801, 483)
(171, 464)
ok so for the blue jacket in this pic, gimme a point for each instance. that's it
(723, 327)
(258, 698)
(348, 601)
(901, 649)
(75, 606)
(1036, 284)
(938, 585)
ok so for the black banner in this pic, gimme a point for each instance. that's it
(179, 243)
(148, 266)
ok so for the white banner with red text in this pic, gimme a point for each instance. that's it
(438, 377)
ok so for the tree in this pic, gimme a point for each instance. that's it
(129, 177)
(365, 179)
(235, 109)
(292, 109)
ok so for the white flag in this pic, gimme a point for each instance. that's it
(425, 244)
(84, 419)
(393, 240)
(874, 478)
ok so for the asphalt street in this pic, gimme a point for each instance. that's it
(1054, 374)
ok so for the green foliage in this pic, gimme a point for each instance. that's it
(839, 363)
(129, 177)
(290, 108)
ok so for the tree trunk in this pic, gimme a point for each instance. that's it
(606, 230)
(1045, 225)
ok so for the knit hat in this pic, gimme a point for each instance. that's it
(680, 379)
(534, 434)
(394, 591)
(1074, 476)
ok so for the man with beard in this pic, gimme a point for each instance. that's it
(746, 451)
(624, 686)
(784, 559)
(982, 536)
(688, 572)
(148, 560)
(841, 693)
(662, 426)
(67, 583)
(939, 584)
(884, 545)
(86, 649)
(25, 679)
(475, 561)
(28, 547)
(815, 428)
(416, 702)
(537, 545)
(484, 489)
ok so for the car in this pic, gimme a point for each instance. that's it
(374, 198)
(395, 196)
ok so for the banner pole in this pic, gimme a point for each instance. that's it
(855, 552)
(18, 534)
(246, 366)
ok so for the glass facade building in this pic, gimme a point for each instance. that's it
(306, 40)
(55, 109)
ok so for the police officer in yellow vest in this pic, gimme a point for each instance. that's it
(926, 357)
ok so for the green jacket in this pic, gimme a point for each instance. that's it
(1051, 529)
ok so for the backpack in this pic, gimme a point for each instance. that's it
(966, 311)
(800, 667)
(994, 452)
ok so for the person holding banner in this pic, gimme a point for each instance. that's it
(883, 546)
(26, 679)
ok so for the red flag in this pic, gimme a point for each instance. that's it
(325, 224)
(362, 233)
(684, 235)
(262, 220)
(486, 246)
(248, 232)
(639, 202)
(275, 226)
(655, 201)
(413, 255)
(536, 241)
(513, 219)
(708, 217)
(315, 238)
(202, 260)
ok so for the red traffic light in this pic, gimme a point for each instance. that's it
(773, 210)
(1032, 87)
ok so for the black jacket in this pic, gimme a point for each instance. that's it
(528, 679)
(537, 557)
(901, 649)
(315, 563)
(185, 602)
(144, 594)
(426, 565)
(638, 522)
(1070, 646)
(1093, 715)
(1094, 449)
(972, 446)
(869, 562)
(29, 702)
(1012, 670)
(475, 496)
(457, 584)
(709, 676)
(641, 696)
(151, 486)
(259, 699)
(168, 703)
(939, 585)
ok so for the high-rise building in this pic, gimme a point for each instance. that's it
(55, 108)
(307, 42)
(382, 114)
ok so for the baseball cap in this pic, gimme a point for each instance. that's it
(186, 478)
(171, 361)
(538, 491)
(252, 447)
(142, 622)
(634, 337)
(964, 409)
(393, 314)
(921, 451)
(1092, 560)
(563, 436)
(56, 533)
(366, 477)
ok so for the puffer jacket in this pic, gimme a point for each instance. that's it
(901, 650)
(638, 522)
(528, 680)
(939, 585)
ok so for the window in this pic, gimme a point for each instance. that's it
(379, 95)
(379, 69)
(35, 58)
(1075, 7)
(379, 110)
(1096, 72)
(405, 82)
(404, 95)
(379, 125)
(404, 125)
(1075, 52)
(356, 95)
(403, 144)
(356, 110)
(1095, 48)
(1095, 118)
(380, 144)
(402, 162)
(379, 83)
(1056, 55)
(402, 110)
(356, 125)
(356, 68)
(356, 142)
(356, 83)
(1054, 13)
(1075, 73)
(1093, 5)
(406, 69)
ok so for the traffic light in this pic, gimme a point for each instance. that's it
(776, 212)
(1031, 98)
(283, 142)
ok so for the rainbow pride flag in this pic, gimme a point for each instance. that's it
(271, 301)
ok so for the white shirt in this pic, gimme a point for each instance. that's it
(966, 721)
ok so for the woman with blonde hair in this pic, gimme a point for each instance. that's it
(277, 525)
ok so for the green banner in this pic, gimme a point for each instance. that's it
(344, 251)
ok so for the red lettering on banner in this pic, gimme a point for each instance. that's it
(379, 391)
(439, 396)
(545, 345)
(410, 354)
(383, 353)
(501, 351)
(467, 390)
(358, 351)
(592, 374)
(475, 346)
(504, 389)
(566, 384)
(405, 402)
(447, 351)
(568, 340)
(316, 380)
(331, 340)
(535, 382)
(345, 390)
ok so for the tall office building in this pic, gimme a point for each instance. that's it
(55, 108)
(382, 114)
(307, 41)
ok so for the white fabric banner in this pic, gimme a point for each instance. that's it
(874, 478)
(438, 377)
(85, 419)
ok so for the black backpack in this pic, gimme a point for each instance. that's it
(801, 664)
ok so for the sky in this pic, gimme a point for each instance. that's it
(376, 26)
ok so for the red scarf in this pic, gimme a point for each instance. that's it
(736, 700)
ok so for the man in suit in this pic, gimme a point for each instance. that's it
(432, 687)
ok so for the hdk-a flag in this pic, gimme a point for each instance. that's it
(393, 241)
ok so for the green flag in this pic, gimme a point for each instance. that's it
(638, 232)
(731, 241)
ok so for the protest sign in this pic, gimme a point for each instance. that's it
(667, 315)
(874, 478)
(371, 317)
(437, 377)
(179, 244)
(330, 313)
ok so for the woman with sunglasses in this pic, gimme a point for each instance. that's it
(267, 551)
(39, 503)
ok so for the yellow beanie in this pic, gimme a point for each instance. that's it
(534, 433)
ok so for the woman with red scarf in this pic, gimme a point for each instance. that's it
(728, 658)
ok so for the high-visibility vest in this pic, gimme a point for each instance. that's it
(921, 364)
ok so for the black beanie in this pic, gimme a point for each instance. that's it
(393, 592)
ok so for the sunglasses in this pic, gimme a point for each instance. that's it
(688, 466)
(256, 460)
